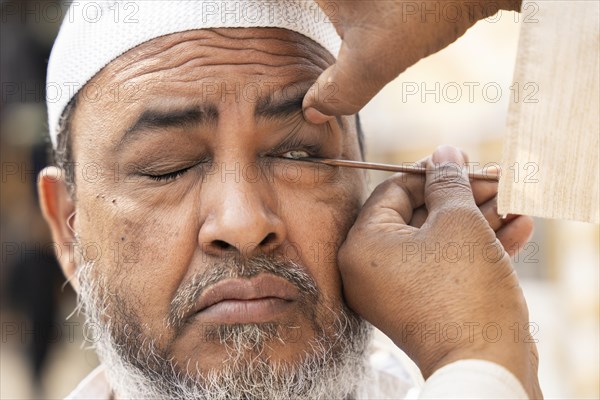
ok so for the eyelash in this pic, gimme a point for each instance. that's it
(170, 176)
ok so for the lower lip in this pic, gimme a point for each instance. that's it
(246, 311)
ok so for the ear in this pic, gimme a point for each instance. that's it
(57, 207)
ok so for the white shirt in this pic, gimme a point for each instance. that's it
(464, 379)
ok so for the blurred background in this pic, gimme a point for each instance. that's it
(459, 96)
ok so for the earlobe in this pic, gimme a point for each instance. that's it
(58, 209)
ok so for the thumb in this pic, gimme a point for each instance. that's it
(342, 89)
(447, 183)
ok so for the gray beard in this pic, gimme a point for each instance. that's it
(333, 366)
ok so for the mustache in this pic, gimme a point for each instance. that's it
(235, 267)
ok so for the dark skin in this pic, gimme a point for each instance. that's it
(447, 270)
(396, 33)
(174, 199)
(174, 195)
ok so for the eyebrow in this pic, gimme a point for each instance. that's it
(154, 119)
(268, 107)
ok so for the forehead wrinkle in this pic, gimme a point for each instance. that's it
(204, 61)
(204, 53)
(196, 63)
(291, 39)
(143, 51)
(292, 46)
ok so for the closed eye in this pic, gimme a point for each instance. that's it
(156, 173)
(169, 176)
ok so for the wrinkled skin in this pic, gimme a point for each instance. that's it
(150, 237)
(168, 231)
(430, 269)
(396, 33)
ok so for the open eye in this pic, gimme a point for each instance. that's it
(295, 154)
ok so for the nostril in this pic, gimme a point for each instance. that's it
(221, 244)
(268, 239)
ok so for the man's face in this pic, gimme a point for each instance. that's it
(198, 232)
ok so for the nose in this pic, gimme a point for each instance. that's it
(239, 219)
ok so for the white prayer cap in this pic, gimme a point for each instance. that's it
(94, 33)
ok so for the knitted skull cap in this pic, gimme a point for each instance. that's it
(94, 33)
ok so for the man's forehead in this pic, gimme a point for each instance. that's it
(229, 46)
(268, 69)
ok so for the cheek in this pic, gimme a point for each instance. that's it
(146, 251)
(317, 222)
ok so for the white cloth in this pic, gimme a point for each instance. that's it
(464, 379)
(472, 379)
(94, 33)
